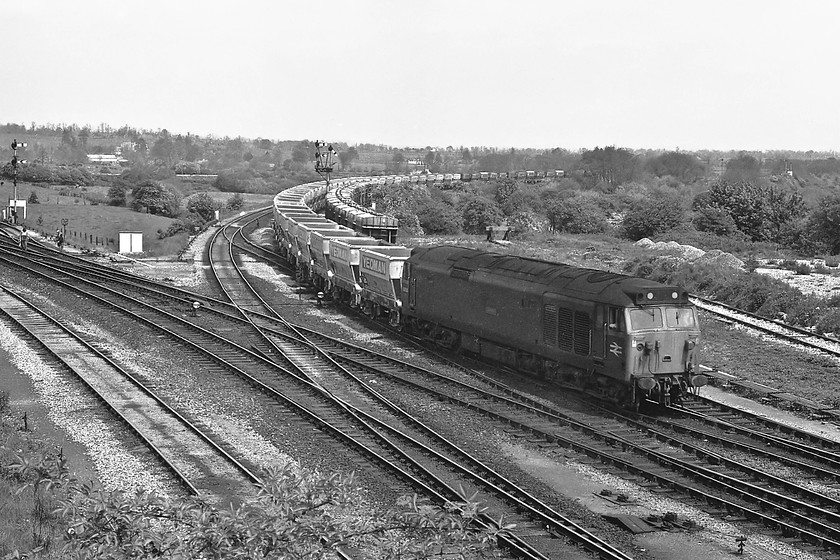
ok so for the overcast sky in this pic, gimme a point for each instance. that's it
(515, 73)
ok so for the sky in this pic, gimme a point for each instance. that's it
(728, 75)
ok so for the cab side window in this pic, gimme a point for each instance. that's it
(615, 320)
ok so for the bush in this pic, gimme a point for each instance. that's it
(806, 311)
(737, 243)
(803, 269)
(439, 218)
(752, 292)
(235, 202)
(576, 215)
(829, 322)
(651, 216)
(788, 264)
(714, 220)
(478, 213)
(117, 195)
(173, 229)
(203, 205)
(292, 516)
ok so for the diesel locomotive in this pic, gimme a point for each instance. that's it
(625, 338)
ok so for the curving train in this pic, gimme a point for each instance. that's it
(625, 338)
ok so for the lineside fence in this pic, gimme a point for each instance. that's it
(83, 240)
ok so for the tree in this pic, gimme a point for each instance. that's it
(746, 204)
(33, 198)
(575, 215)
(783, 208)
(650, 216)
(714, 220)
(346, 157)
(478, 213)
(227, 182)
(398, 160)
(433, 161)
(84, 134)
(235, 202)
(611, 165)
(742, 169)
(759, 212)
(67, 137)
(439, 217)
(506, 189)
(203, 205)
(117, 196)
(684, 167)
(824, 222)
(164, 148)
(154, 198)
(303, 152)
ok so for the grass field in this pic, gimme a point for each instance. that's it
(98, 226)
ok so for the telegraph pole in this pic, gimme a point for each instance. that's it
(15, 161)
(324, 160)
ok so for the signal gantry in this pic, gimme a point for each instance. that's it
(324, 160)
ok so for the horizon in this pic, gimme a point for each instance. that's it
(749, 76)
(145, 130)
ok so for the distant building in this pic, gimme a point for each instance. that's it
(105, 159)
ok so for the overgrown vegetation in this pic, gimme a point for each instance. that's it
(46, 513)
(750, 291)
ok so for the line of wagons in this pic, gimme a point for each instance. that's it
(446, 178)
(629, 339)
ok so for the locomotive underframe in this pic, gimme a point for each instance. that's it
(588, 379)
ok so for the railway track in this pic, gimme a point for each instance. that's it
(447, 466)
(794, 335)
(804, 526)
(786, 334)
(306, 402)
(269, 324)
(194, 456)
(604, 436)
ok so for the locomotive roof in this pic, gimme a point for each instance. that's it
(557, 277)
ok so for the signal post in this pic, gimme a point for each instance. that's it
(14, 203)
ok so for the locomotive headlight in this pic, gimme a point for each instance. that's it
(675, 295)
(640, 347)
(650, 295)
(691, 344)
(330, 274)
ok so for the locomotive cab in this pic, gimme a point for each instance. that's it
(661, 337)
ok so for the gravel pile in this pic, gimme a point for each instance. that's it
(692, 254)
